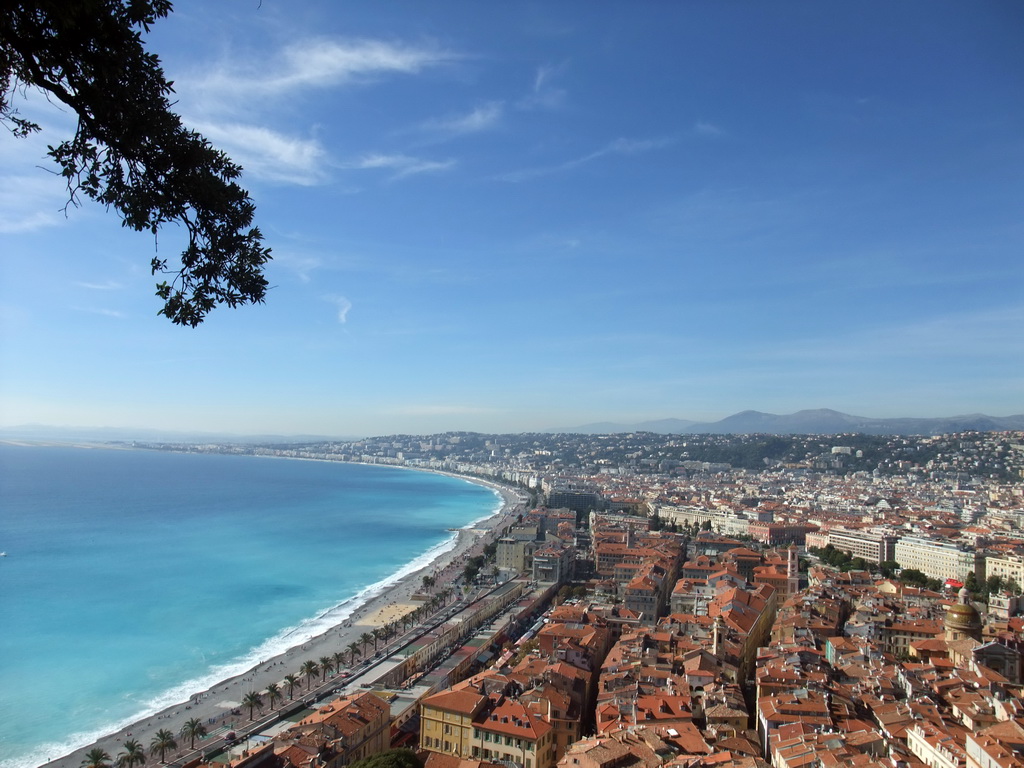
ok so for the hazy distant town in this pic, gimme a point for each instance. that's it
(696, 601)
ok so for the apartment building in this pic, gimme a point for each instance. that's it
(874, 545)
(938, 559)
(1008, 568)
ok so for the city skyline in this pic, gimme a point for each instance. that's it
(526, 217)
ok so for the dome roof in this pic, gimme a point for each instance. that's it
(962, 616)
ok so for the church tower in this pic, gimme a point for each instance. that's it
(792, 571)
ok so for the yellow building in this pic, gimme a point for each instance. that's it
(468, 723)
(446, 720)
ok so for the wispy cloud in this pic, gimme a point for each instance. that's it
(343, 305)
(303, 266)
(948, 339)
(29, 203)
(439, 410)
(312, 63)
(402, 165)
(267, 154)
(543, 95)
(618, 147)
(103, 312)
(704, 128)
(482, 118)
(109, 285)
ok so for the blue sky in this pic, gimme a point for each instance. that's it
(514, 216)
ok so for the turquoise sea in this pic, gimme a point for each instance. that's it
(133, 578)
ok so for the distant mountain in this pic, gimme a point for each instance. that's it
(821, 421)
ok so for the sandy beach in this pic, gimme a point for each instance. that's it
(220, 707)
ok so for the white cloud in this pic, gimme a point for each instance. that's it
(438, 410)
(104, 312)
(267, 154)
(29, 203)
(343, 305)
(402, 165)
(704, 128)
(480, 119)
(109, 285)
(543, 95)
(313, 63)
(302, 266)
(949, 339)
(617, 147)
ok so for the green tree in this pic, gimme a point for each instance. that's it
(130, 151)
(353, 651)
(292, 681)
(338, 657)
(309, 669)
(889, 568)
(96, 758)
(326, 667)
(162, 741)
(133, 754)
(994, 584)
(274, 695)
(395, 758)
(365, 639)
(913, 576)
(252, 700)
(193, 729)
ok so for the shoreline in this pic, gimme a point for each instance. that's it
(219, 707)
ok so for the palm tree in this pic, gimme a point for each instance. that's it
(309, 669)
(96, 758)
(192, 730)
(134, 754)
(273, 694)
(378, 634)
(353, 651)
(339, 660)
(326, 667)
(292, 681)
(428, 582)
(162, 741)
(365, 639)
(252, 700)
